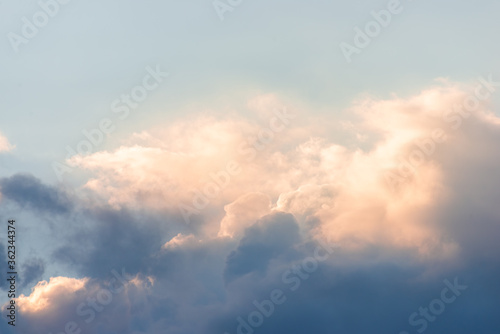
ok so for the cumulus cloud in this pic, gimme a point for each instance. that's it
(410, 204)
(166, 168)
(244, 212)
(33, 269)
(375, 195)
(46, 296)
(65, 302)
(5, 146)
(113, 239)
(27, 190)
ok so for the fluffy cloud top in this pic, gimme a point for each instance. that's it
(4, 144)
(361, 196)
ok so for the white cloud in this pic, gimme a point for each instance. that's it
(5, 146)
(355, 196)
(46, 296)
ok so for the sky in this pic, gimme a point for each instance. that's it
(236, 166)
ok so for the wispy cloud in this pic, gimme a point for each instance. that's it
(5, 146)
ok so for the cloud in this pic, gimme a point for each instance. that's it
(5, 146)
(33, 269)
(372, 194)
(27, 190)
(127, 241)
(412, 203)
(3, 263)
(179, 241)
(65, 302)
(164, 169)
(267, 238)
(244, 212)
(46, 296)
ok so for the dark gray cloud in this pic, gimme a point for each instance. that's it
(28, 191)
(269, 237)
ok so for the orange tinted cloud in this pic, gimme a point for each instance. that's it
(376, 193)
(46, 296)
